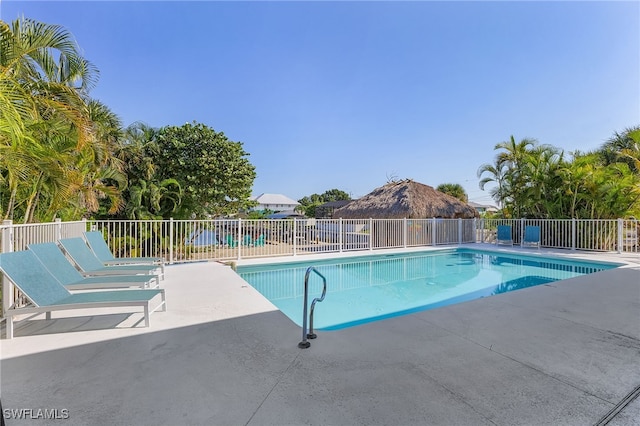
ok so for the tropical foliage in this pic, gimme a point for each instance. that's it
(183, 172)
(55, 142)
(214, 172)
(309, 203)
(542, 181)
(64, 154)
(455, 190)
(147, 196)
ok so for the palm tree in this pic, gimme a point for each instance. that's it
(623, 147)
(46, 128)
(153, 201)
(455, 190)
(496, 173)
(538, 172)
(146, 197)
(515, 156)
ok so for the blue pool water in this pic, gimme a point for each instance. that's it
(370, 288)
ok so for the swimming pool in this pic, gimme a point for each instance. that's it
(370, 288)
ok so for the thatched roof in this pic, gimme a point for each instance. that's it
(406, 199)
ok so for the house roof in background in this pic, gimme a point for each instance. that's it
(274, 199)
(483, 206)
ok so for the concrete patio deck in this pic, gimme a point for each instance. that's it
(566, 353)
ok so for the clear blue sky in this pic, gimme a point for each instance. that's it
(348, 94)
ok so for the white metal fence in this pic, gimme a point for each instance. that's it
(231, 239)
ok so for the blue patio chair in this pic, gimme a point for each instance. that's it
(531, 236)
(259, 241)
(89, 264)
(45, 294)
(100, 248)
(231, 241)
(62, 270)
(504, 235)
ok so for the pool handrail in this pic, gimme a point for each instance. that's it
(304, 344)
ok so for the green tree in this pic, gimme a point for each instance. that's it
(539, 181)
(496, 173)
(52, 154)
(455, 190)
(623, 147)
(146, 197)
(152, 200)
(309, 203)
(214, 173)
(259, 214)
(539, 174)
(515, 156)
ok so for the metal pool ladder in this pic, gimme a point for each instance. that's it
(311, 335)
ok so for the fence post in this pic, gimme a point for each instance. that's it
(170, 241)
(295, 231)
(620, 233)
(58, 223)
(475, 230)
(239, 237)
(404, 232)
(340, 241)
(433, 231)
(459, 230)
(573, 233)
(7, 247)
(370, 233)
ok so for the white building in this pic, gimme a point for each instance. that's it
(483, 208)
(274, 202)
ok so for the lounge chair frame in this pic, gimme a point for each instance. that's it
(99, 246)
(504, 235)
(531, 236)
(52, 257)
(12, 264)
(88, 264)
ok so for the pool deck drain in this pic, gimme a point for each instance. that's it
(565, 353)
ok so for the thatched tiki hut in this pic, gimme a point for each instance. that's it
(404, 199)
